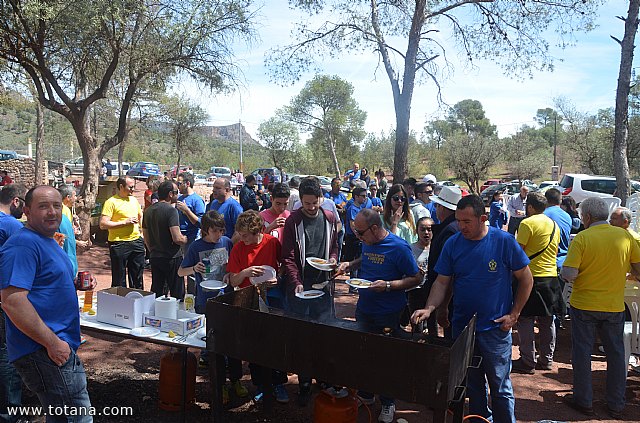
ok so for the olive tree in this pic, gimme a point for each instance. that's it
(405, 37)
(75, 52)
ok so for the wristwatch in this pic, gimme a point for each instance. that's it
(388, 286)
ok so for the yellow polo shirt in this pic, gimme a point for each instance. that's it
(534, 233)
(603, 255)
(118, 209)
(66, 211)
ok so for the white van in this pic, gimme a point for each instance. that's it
(581, 186)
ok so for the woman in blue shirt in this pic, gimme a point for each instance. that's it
(497, 213)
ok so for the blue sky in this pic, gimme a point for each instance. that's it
(586, 74)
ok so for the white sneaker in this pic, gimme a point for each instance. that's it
(387, 413)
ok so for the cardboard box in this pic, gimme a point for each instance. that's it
(185, 323)
(116, 309)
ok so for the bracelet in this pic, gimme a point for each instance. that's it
(388, 286)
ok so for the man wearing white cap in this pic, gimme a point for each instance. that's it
(446, 203)
(429, 179)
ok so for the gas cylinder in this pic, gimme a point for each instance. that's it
(330, 409)
(170, 386)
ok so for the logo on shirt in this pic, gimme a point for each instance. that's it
(493, 265)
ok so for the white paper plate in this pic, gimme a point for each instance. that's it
(212, 285)
(269, 273)
(133, 295)
(320, 264)
(359, 283)
(309, 295)
(145, 332)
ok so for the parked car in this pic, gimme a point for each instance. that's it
(172, 171)
(488, 183)
(8, 155)
(76, 167)
(581, 186)
(526, 182)
(201, 179)
(220, 172)
(463, 190)
(144, 169)
(509, 188)
(545, 184)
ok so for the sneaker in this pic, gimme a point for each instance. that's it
(281, 394)
(387, 413)
(542, 366)
(518, 366)
(571, 402)
(366, 401)
(225, 395)
(614, 414)
(239, 390)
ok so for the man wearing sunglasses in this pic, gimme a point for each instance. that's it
(352, 245)
(419, 206)
(386, 260)
(121, 216)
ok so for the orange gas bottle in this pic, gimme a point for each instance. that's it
(330, 409)
(170, 387)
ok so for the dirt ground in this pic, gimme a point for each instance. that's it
(124, 372)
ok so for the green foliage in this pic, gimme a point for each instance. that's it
(326, 109)
(281, 139)
(526, 156)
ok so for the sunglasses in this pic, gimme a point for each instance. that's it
(357, 232)
(131, 187)
(398, 198)
(176, 192)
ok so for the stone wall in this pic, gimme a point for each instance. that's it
(24, 171)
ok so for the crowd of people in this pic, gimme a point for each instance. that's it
(430, 254)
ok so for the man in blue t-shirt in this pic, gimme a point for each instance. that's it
(191, 208)
(340, 200)
(480, 261)
(386, 260)
(11, 203)
(226, 205)
(562, 218)
(33, 271)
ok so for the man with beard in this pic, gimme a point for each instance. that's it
(11, 203)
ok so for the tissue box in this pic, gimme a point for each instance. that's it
(185, 323)
(117, 309)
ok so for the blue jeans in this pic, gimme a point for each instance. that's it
(10, 382)
(57, 386)
(610, 327)
(376, 323)
(494, 346)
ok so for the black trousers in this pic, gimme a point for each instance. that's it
(127, 257)
(164, 273)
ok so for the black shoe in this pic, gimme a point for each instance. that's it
(303, 397)
(571, 402)
(541, 366)
(518, 366)
(614, 414)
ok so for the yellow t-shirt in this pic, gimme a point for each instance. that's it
(635, 235)
(603, 255)
(66, 211)
(119, 209)
(534, 233)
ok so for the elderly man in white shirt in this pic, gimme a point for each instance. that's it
(517, 208)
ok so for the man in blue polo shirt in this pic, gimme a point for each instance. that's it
(43, 335)
(386, 260)
(11, 203)
(191, 208)
(340, 201)
(226, 205)
(479, 261)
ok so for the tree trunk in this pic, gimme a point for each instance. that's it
(403, 112)
(620, 163)
(332, 151)
(91, 174)
(39, 142)
(121, 171)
